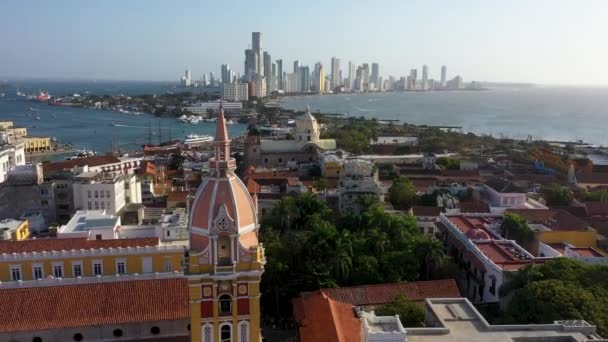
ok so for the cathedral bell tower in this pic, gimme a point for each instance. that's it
(226, 260)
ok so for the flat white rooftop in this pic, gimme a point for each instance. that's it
(456, 319)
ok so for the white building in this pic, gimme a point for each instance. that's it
(236, 92)
(91, 224)
(202, 107)
(100, 191)
(259, 86)
(11, 155)
(358, 179)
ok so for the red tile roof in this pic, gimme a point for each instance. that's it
(90, 161)
(85, 305)
(592, 178)
(384, 293)
(46, 245)
(322, 319)
(177, 196)
(504, 254)
(596, 208)
(587, 252)
(555, 219)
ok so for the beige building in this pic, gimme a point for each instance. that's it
(304, 148)
(36, 144)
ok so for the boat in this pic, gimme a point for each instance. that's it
(192, 139)
(53, 139)
(37, 118)
(183, 118)
(113, 124)
(211, 120)
(84, 153)
(230, 122)
(164, 148)
(42, 96)
(2, 95)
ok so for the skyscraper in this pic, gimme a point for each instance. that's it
(375, 75)
(226, 74)
(187, 79)
(444, 74)
(365, 76)
(319, 78)
(296, 66)
(425, 77)
(250, 64)
(412, 79)
(304, 79)
(335, 72)
(267, 71)
(256, 47)
(256, 41)
(351, 76)
(280, 74)
(273, 76)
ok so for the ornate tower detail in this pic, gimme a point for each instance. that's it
(226, 260)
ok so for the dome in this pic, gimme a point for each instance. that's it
(307, 127)
(222, 204)
(477, 234)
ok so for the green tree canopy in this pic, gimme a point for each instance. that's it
(516, 228)
(410, 313)
(557, 195)
(309, 247)
(402, 194)
(561, 288)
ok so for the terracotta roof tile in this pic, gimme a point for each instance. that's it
(592, 177)
(177, 196)
(322, 319)
(84, 305)
(384, 293)
(90, 161)
(555, 219)
(45, 245)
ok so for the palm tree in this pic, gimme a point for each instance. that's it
(343, 252)
(431, 251)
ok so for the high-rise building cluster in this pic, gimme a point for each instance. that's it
(263, 76)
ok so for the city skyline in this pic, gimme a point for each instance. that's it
(482, 42)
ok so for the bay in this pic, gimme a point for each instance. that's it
(93, 129)
(549, 113)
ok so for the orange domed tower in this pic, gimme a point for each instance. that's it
(226, 260)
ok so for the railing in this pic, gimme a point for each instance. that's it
(88, 280)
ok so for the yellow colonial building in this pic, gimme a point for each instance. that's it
(226, 260)
(11, 229)
(78, 257)
(36, 144)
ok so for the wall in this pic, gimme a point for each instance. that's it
(575, 238)
(134, 264)
(168, 329)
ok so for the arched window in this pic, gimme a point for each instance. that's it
(225, 303)
(37, 339)
(225, 333)
(117, 332)
(155, 330)
(78, 337)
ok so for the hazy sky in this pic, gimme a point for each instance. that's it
(541, 41)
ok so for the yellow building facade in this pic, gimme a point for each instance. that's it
(37, 144)
(15, 230)
(71, 258)
(226, 260)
